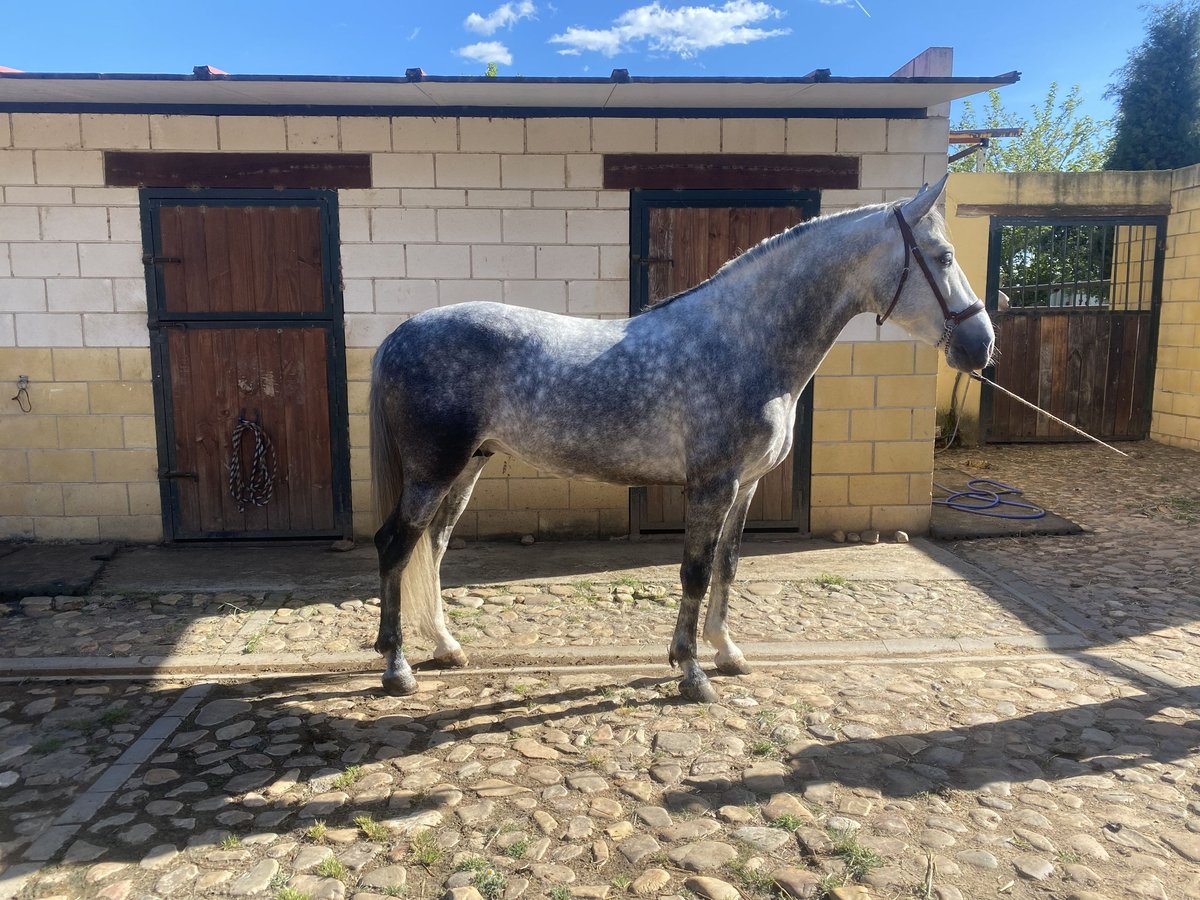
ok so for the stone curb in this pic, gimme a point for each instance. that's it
(87, 804)
(368, 661)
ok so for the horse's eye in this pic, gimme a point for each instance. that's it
(946, 259)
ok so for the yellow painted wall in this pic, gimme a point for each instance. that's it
(82, 464)
(1037, 192)
(1176, 416)
(873, 429)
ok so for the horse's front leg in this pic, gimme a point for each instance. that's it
(730, 660)
(707, 508)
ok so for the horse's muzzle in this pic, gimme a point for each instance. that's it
(970, 346)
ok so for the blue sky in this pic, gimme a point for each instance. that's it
(1071, 41)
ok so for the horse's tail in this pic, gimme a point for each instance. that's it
(419, 600)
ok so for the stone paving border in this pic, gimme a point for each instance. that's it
(239, 665)
(74, 817)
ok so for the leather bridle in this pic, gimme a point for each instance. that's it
(911, 249)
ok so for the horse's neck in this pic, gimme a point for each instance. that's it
(790, 303)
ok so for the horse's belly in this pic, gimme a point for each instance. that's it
(615, 463)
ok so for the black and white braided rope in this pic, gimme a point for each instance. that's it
(258, 489)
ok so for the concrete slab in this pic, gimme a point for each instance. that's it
(38, 570)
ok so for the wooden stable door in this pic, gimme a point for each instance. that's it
(246, 329)
(684, 245)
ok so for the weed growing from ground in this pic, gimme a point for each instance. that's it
(316, 831)
(423, 850)
(763, 747)
(787, 822)
(114, 716)
(826, 885)
(372, 830)
(252, 643)
(332, 867)
(287, 893)
(827, 580)
(559, 892)
(516, 850)
(859, 860)
(754, 881)
(230, 841)
(487, 880)
(347, 778)
(279, 880)
(46, 745)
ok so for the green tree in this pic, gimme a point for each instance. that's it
(492, 71)
(1057, 137)
(1158, 94)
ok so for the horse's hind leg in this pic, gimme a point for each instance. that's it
(395, 541)
(730, 660)
(448, 651)
(707, 508)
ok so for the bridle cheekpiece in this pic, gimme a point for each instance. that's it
(912, 250)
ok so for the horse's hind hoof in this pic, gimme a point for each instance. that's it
(698, 690)
(735, 666)
(399, 684)
(455, 659)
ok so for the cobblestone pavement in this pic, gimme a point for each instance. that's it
(929, 746)
(1136, 578)
(584, 612)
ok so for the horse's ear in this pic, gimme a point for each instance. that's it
(920, 205)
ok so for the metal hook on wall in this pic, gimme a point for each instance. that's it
(22, 395)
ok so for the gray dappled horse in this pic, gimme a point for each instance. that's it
(699, 390)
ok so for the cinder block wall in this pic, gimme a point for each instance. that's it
(462, 209)
(82, 464)
(1176, 416)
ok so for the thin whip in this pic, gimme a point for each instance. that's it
(1055, 418)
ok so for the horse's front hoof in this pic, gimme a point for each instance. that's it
(734, 665)
(698, 690)
(400, 684)
(455, 659)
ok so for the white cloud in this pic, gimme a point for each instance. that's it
(685, 30)
(500, 17)
(486, 52)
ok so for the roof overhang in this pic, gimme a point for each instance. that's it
(419, 94)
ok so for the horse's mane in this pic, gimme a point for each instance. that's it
(768, 245)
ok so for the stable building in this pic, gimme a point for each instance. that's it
(191, 266)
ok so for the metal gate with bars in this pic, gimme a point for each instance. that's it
(1077, 334)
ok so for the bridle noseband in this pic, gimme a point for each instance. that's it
(911, 249)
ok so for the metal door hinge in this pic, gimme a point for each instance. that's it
(151, 260)
(646, 260)
(165, 473)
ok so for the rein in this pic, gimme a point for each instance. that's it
(912, 250)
